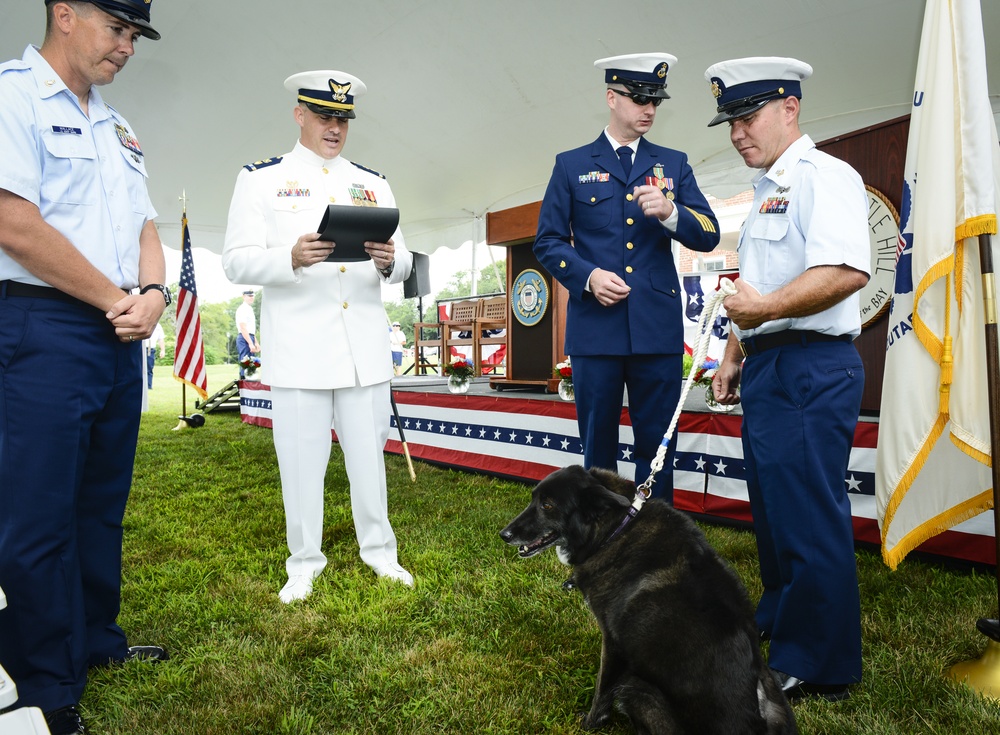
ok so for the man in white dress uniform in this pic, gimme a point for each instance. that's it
(327, 357)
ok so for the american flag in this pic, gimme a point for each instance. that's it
(189, 355)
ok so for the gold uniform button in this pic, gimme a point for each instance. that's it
(295, 206)
(629, 245)
(628, 269)
(562, 263)
(628, 221)
(333, 199)
(326, 170)
(593, 199)
(345, 304)
(628, 197)
(343, 269)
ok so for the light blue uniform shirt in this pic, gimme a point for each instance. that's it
(809, 209)
(87, 176)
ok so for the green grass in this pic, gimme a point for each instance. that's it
(485, 642)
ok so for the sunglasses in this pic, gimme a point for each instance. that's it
(640, 99)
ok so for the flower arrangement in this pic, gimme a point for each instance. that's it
(460, 368)
(564, 371)
(704, 374)
(250, 365)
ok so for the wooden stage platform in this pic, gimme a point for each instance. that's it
(525, 434)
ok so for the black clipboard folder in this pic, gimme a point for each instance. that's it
(351, 227)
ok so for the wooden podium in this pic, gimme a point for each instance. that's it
(532, 351)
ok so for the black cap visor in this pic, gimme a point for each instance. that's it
(650, 90)
(144, 28)
(329, 111)
(747, 105)
(736, 110)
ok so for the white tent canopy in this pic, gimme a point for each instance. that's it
(468, 102)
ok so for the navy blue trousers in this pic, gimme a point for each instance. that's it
(654, 387)
(801, 406)
(69, 420)
(243, 349)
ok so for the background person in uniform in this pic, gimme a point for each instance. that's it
(156, 341)
(804, 254)
(76, 232)
(328, 358)
(610, 213)
(246, 331)
(397, 341)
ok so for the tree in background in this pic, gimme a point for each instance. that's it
(218, 330)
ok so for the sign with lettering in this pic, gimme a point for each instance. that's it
(883, 233)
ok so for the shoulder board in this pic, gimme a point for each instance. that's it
(365, 168)
(263, 164)
(14, 65)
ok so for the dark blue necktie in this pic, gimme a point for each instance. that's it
(625, 155)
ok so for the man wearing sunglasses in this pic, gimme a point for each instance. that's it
(609, 217)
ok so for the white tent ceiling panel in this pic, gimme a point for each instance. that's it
(469, 102)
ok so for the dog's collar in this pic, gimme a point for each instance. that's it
(633, 511)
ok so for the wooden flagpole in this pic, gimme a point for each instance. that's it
(983, 674)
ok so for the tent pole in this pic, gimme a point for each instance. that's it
(983, 674)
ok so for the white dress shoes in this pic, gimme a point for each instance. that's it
(298, 587)
(396, 572)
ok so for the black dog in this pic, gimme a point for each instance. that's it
(680, 647)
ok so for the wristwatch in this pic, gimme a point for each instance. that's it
(159, 287)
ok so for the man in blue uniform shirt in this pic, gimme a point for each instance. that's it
(804, 254)
(76, 234)
(608, 219)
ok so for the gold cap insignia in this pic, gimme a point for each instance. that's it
(339, 91)
(716, 90)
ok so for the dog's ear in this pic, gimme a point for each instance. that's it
(611, 498)
(601, 498)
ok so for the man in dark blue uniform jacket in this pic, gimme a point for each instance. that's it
(610, 213)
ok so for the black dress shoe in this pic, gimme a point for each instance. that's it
(147, 653)
(65, 721)
(795, 688)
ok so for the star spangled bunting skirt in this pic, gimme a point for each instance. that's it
(526, 439)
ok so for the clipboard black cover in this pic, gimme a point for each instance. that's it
(351, 227)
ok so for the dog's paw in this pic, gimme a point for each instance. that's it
(569, 585)
(590, 721)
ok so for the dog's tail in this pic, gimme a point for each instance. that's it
(773, 705)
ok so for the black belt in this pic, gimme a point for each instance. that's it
(762, 342)
(16, 288)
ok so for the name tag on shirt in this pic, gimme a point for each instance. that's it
(65, 130)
